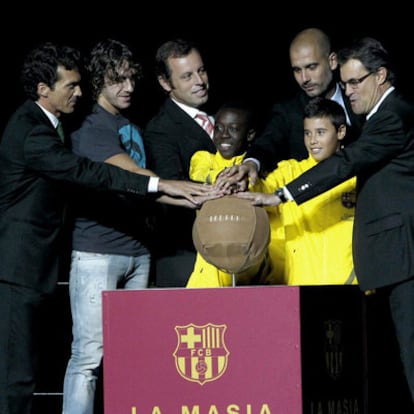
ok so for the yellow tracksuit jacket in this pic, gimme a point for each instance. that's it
(318, 233)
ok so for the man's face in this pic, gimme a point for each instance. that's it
(188, 83)
(361, 86)
(63, 96)
(312, 69)
(116, 94)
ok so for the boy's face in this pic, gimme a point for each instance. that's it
(231, 132)
(321, 137)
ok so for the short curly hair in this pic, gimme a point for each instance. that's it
(106, 57)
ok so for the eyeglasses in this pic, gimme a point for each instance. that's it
(354, 83)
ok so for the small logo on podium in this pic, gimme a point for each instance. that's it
(334, 353)
(201, 354)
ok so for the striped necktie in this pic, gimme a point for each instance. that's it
(205, 123)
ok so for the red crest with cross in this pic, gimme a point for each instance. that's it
(201, 354)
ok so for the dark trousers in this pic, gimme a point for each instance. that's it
(19, 308)
(174, 270)
(401, 300)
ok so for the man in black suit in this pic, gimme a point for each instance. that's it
(171, 138)
(383, 161)
(36, 172)
(314, 66)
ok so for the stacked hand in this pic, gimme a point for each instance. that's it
(187, 193)
(236, 180)
(238, 177)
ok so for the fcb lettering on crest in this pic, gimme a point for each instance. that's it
(201, 354)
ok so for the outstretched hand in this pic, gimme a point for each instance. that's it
(260, 199)
(199, 200)
(195, 193)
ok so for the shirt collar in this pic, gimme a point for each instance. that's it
(337, 97)
(53, 119)
(375, 108)
(188, 109)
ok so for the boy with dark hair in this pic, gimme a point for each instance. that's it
(318, 235)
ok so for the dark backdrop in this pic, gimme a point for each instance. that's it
(245, 49)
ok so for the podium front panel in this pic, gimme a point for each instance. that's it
(334, 376)
(196, 351)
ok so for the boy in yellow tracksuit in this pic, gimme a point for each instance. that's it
(233, 132)
(318, 233)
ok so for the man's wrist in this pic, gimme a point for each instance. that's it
(281, 194)
(254, 161)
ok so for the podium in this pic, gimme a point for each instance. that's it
(243, 350)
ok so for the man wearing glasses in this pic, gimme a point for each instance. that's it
(383, 161)
(354, 83)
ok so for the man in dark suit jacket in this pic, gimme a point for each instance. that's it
(282, 137)
(171, 138)
(36, 170)
(314, 66)
(383, 161)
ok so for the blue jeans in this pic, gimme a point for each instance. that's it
(90, 274)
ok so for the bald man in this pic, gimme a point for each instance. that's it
(314, 67)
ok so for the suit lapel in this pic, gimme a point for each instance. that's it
(186, 123)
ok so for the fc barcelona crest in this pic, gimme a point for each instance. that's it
(334, 353)
(201, 354)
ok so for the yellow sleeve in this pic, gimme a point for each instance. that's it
(201, 165)
(206, 275)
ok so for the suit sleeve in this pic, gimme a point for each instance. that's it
(271, 147)
(163, 154)
(382, 138)
(46, 155)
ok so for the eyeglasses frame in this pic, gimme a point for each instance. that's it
(354, 83)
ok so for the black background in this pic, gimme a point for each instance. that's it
(245, 48)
